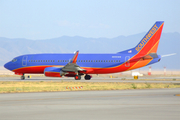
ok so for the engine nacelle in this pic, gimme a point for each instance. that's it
(53, 72)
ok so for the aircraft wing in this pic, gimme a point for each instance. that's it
(74, 59)
(72, 66)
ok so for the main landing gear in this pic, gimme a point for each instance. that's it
(77, 77)
(86, 77)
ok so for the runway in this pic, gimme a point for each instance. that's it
(99, 79)
(152, 104)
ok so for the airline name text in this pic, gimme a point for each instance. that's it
(146, 38)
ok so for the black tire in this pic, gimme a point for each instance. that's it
(87, 77)
(22, 77)
(77, 77)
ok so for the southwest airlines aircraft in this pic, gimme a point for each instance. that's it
(76, 65)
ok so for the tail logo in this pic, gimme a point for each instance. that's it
(146, 38)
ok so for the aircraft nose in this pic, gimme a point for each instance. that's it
(6, 65)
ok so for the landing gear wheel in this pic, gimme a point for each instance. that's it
(77, 77)
(22, 77)
(87, 77)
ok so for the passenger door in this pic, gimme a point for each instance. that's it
(127, 64)
(24, 60)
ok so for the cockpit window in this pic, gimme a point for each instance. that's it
(14, 60)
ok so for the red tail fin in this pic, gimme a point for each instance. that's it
(150, 42)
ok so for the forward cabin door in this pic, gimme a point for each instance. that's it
(127, 64)
(24, 60)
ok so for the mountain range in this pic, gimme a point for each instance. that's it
(169, 43)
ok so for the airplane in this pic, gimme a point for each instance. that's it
(77, 65)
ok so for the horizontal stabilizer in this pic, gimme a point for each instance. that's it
(168, 55)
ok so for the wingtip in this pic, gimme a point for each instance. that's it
(168, 55)
(76, 51)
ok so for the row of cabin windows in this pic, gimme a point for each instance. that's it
(77, 60)
(98, 61)
(41, 60)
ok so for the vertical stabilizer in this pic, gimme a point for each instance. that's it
(150, 42)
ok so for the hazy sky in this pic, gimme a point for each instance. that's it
(43, 19)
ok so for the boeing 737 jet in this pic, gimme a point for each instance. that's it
(76, 65)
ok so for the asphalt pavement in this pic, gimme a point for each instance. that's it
(99, 79)
(149, 104)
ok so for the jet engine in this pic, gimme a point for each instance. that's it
(53, 72)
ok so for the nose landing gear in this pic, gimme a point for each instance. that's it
(22, 77)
